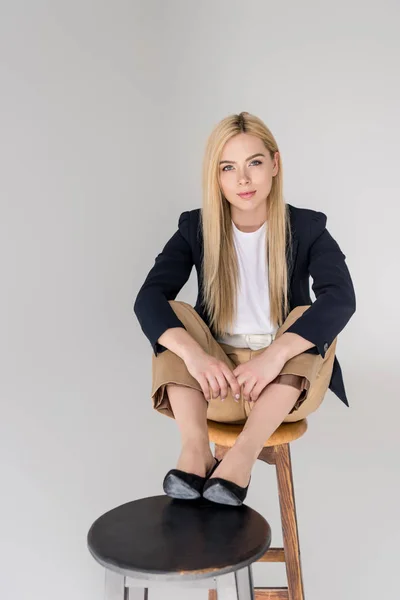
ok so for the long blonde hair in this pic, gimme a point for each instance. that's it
(220, 266)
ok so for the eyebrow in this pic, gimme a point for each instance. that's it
(248, 158)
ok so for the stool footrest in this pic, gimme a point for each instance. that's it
(273, 555)
(261, 594)
(271, 594)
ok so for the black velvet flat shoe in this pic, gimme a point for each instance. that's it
(223, 491)
(186, 486)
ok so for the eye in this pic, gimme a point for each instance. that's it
(253, 161)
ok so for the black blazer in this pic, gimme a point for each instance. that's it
(314, 252)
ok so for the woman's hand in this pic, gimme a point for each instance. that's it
(258, 372)
(210, 371)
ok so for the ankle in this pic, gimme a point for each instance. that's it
(200, 445)
(247, 447)
(195, 438)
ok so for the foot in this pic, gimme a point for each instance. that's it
(236, 466)
(195, 459)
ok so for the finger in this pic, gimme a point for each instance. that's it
(214, 385)
(242, 378)
(237, 370)
(250, 383)
(222, 385)
(204, 387)
(256, 391)
(233, 383)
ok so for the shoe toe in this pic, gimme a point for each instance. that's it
(175, 487)
(218, 493)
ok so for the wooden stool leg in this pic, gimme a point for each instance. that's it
(289, 522)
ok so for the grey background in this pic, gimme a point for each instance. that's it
(105, 110)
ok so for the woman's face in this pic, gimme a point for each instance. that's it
(240, 171)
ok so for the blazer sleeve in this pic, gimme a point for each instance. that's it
(333, 288)
(171, 270)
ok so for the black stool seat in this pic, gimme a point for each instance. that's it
(163, 538)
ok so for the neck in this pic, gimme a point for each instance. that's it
(248, 228)
(247, 222)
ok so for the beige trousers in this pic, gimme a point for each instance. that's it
(167, 367)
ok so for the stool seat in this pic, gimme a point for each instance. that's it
(164, 538)
(225, 434)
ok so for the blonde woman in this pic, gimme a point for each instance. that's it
(254, 350)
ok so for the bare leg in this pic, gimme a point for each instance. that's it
(268, 412)
(190, 411)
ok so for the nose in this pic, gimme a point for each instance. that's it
(243, 178)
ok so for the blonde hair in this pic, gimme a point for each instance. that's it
(220, 266)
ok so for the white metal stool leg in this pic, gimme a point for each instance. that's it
(236, 586)
(115, 588)
(137, 593)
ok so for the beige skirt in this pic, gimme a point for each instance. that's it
(309, 372)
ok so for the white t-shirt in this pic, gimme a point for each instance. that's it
(253, 308)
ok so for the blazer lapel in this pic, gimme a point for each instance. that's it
(291, 259)
(291, 253)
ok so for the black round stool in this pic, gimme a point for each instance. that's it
(158, 540)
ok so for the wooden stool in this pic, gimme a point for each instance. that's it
(276, 452)
(156, 541)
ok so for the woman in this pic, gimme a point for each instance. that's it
(254, 349)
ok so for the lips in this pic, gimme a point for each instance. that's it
(247, 194)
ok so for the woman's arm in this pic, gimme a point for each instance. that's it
(333, 287)
(289, 345)
(180, 342)
(171, 270)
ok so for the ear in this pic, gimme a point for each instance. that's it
(276, 164)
